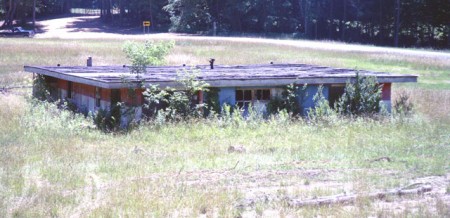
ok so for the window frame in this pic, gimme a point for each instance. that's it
(244, 102)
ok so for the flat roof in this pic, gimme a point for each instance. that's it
(112, 77)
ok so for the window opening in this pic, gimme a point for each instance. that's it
(335, 92)
(244, 97)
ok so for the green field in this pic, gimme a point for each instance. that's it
(54, 163)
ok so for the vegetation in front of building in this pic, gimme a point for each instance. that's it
(177, 104)
(290, 100)
(54, 163)
(361, 97)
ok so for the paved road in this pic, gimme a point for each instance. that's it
(89, 28)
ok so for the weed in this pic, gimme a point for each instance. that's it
(48, 156)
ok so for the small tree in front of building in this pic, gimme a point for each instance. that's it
(289, 100)
(322, 112)
(177, 104)
(361, 97)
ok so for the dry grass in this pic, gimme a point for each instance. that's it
(53, 163)
(434, 72)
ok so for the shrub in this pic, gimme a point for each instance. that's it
(288, 101)
(362, 97)
(403, 105)
(177, 104)
(41, 90)
(322, 110)
(108, 120)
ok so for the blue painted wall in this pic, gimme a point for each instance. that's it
(227, 95)
(305, 97)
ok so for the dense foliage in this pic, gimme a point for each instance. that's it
(383, 22)
(361, 97)
(175, 104)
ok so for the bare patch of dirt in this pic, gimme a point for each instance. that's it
(276, 187)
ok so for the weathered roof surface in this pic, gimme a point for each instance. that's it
(220, 76)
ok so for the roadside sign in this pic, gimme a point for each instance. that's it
(146, 23)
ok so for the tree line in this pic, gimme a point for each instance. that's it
(404, 23)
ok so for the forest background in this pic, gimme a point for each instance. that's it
(399, 23)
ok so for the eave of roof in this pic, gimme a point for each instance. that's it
(113, 77)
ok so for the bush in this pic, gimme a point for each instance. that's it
(361, 97)
(288, 101)
(212, 104)
(322, 110)
(403, 105)
(41, 90)
(108, 120)
(177, 104)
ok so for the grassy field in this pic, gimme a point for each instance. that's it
(54, 163)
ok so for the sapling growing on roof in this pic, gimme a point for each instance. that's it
(147, 54)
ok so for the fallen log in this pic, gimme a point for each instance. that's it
(351, 198)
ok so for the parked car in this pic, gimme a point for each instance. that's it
(17, 32)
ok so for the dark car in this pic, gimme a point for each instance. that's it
(17, 32)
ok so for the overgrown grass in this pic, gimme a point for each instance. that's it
(54, 163)
(433, 72)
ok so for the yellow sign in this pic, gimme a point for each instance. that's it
(146, 23)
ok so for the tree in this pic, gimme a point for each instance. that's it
(149, 53)
(361, 97)
(188, 15)
(34, 13)
(397, 22)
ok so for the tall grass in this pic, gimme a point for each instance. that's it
(434, 72)
(55, 163)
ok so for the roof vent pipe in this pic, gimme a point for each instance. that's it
(89, 62)
(211, 63)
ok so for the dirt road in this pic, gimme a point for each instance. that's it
(89, 27)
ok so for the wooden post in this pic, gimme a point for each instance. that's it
(89, 62)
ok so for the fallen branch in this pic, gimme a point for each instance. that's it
(351, 198)
(381, 159)
(7, 89)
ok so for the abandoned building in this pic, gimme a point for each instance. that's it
(93, 87)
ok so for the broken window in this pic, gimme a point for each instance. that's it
(246, 96)
(335, 92)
